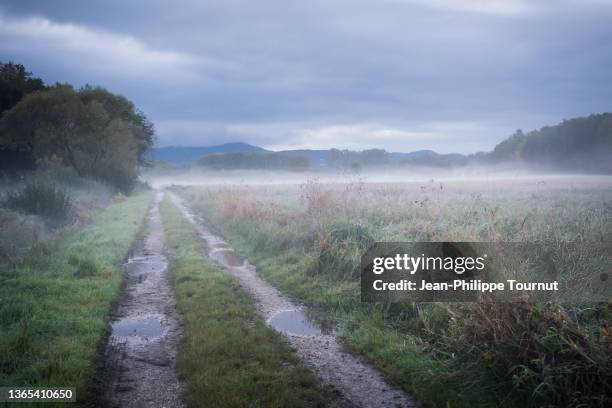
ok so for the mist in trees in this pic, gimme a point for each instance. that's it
(346, 159)
(583, 144)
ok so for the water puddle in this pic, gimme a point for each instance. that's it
(146, 326)
(227, 257)
(148, 264)
(221, 245)
(294, 322)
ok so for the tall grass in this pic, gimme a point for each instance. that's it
(308, 240)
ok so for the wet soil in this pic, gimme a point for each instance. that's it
(359, 383)
(140, 356)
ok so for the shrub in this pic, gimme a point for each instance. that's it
(551, 358)
(41, 198)
(340, 249)
(19, 233)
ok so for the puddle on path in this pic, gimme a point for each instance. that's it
(294, 322)
(226, 256)
(146, 326)
(148, 264)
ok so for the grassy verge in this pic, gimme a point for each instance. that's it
(53, 307)
(228, 356)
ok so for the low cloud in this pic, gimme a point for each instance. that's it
(444, 137)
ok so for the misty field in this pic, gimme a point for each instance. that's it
(307, 240)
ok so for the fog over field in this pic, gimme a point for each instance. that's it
(224, 203)
(474, 175)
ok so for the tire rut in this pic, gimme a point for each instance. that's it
(140, 356)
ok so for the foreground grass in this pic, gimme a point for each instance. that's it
(228, 356)
(54, 306)
(446, 355)
(401, 357)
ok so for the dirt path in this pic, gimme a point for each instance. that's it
(359, 383)
(141, 353)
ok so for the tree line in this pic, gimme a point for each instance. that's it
(583, 144)
(91, 130)
(337, 159)
(253, 160)
(355, 160)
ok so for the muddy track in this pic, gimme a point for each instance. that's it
(359, 383)
(140, 356)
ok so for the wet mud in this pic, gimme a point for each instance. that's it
(358, 382)
(140, 357)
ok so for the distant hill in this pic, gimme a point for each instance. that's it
(187, 154)
(316, 158)
(580, 144)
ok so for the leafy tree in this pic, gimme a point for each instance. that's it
(53, 123)
(119, 107)
(374, 157)
(511, 148)
(15, 83)
(93, 131)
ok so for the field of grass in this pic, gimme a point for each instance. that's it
(54, 303)
(228, 357)
(307, 240)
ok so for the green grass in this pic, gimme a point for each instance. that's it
(54, 306)
(446, 355)
(400, 356)
(228, 356)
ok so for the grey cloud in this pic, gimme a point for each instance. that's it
(398, 74)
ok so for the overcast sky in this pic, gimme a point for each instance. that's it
(404, 75)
